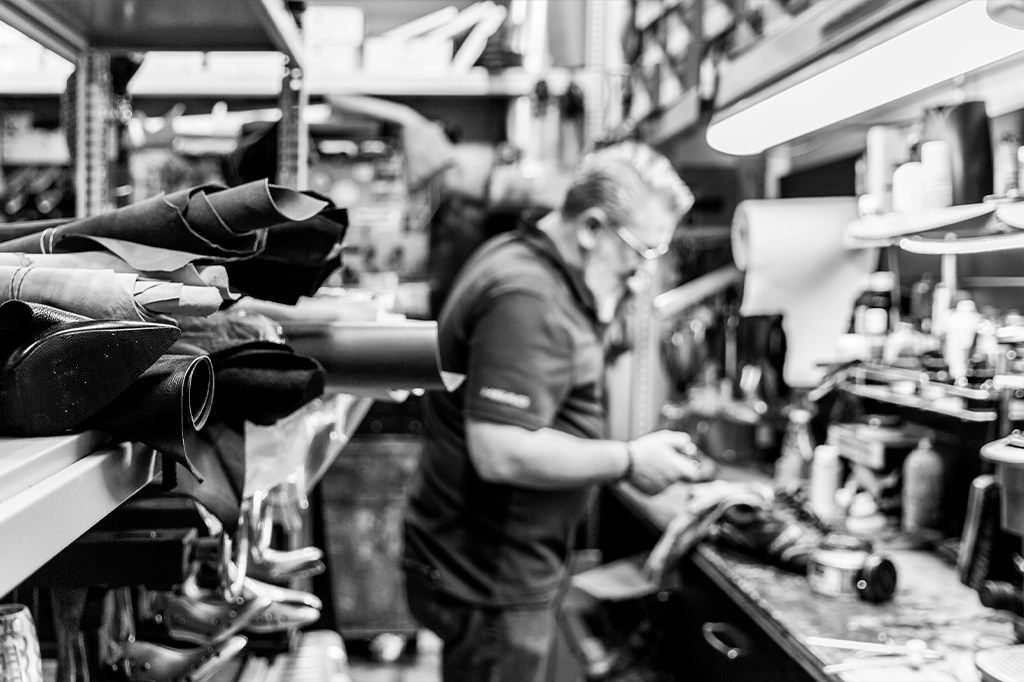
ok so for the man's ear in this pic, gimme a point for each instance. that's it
(587, 226)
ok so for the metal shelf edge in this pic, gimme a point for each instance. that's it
(44, 27)
(281, 28)
(27, 461)
(55, 33)
(805, 44)
(917, 404)
(40, 521)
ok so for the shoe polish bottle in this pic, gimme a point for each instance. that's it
(922, 488)
(826, 471)
(797, 450)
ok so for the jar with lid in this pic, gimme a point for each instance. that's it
(876, 296)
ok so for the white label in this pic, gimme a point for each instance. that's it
(504, 397)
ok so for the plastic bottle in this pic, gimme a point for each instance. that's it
(908, 188)
(937, 175)
(826, 470)
(884, 151)
(921, 303)
(901, 342)
(941, 299)
(986, 343)
(797, 450)
(961, 328)
(922, 488)
(1006, 177)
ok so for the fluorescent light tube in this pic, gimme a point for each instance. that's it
(954, 43)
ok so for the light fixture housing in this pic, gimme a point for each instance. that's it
(969, 35)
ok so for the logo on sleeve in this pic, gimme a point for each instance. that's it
(504, 397)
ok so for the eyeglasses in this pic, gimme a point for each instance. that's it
(643, 250)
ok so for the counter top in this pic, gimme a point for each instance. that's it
(930, 604)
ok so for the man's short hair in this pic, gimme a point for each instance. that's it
(616, 177)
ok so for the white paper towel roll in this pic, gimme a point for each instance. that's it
(795, 264)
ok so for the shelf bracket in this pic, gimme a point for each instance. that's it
(293, 135)
(89, 118)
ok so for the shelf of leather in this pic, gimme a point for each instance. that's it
(65, 487)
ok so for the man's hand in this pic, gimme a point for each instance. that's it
(664, 457)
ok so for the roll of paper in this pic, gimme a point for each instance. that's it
(795, 264)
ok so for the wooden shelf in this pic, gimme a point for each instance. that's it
(61, 495)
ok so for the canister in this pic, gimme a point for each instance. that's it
(833, 571)
(843, 566)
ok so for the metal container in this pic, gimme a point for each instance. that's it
(845, 567)
(834, 572)
(20, 660)
(1008, 456)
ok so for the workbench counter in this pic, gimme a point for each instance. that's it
(930, 604)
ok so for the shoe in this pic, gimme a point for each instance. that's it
(200, 616)
(273, 565)
(148, 662)
(289, 610)
(284, 595)
(767, 534)
(19, 645)
(59, 369)
(282, 617)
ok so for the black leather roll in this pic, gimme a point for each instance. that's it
(218, 454)
(262, 382)
(372, 356)
(164, 408)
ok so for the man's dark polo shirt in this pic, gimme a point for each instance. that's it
(520, 323)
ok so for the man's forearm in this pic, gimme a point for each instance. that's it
(544, 459)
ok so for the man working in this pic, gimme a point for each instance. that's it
(511, 457)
